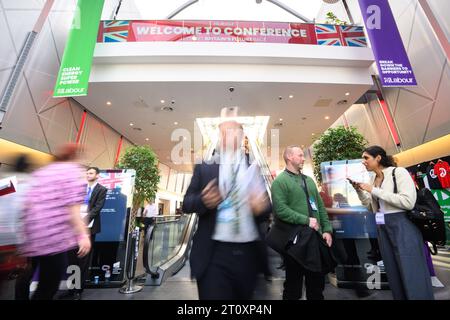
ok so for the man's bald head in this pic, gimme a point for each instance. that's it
(293, 156)
(231, 135)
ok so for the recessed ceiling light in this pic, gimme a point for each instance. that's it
(184, 138)
(291, 96)
(347, 93)
(162, 101)
(108, 103)
(146, 139)
(131, 124)
(327, 118)
(175, 123)
(313, 134)
(281, 119)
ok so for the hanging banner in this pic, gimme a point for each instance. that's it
(230, 31)
(390, 54)
(73, 76)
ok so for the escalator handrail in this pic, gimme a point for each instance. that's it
(148, 241)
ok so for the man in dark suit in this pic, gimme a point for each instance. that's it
(230, 198)
(90, 212)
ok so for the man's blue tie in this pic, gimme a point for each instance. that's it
(88, 196)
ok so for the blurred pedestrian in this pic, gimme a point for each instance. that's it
(231, 200)
(11, 210)
(52, 224)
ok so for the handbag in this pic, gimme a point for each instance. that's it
(427, 216)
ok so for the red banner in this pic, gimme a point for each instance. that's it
(229, 31)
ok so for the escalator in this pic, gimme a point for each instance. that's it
(167, 245)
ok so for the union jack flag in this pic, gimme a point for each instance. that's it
(328, 35)
(110, 180)
(113, 31)
(333, 35)
(353, 36)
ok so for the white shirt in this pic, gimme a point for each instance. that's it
(249, 182)
(92, 188)
(391, 202)
(150, 211)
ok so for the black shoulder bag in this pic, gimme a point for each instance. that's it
(427, 216)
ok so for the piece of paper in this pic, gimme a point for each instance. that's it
(84, 213)
(8, 185)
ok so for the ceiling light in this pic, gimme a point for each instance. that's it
(281, 119)
(347, 93)
(131, 124)
(108, 103)
(313, 134)
(167, 109)
(184, 138)
(327, 118)
(146, 139)
(175, 123)
(291, 96)
(162, 101)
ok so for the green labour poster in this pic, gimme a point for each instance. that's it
(73, 76)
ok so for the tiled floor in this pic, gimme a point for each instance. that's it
(181, 287)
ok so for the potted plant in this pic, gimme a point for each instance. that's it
(145, 162)
(338, 143)
(332, 19)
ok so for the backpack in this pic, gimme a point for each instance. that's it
(427, 216)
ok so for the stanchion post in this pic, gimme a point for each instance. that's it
(133, 250)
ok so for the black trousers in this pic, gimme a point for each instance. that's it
(51, 269)
(231, 273)
(83, 263)
(293, 285)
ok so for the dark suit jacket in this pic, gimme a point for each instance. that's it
(203, 244)
(95, 205)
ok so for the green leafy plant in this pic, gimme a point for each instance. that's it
(145, 162)
(335, 144)
(332, 19)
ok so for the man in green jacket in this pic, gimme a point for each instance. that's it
(290, 205)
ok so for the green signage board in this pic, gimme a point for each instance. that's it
(73, 76)
(443, 198)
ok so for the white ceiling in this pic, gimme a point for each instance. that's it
(205, 99)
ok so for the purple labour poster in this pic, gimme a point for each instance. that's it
(390, 54)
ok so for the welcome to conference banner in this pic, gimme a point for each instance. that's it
(230, 31)
(73, 76)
